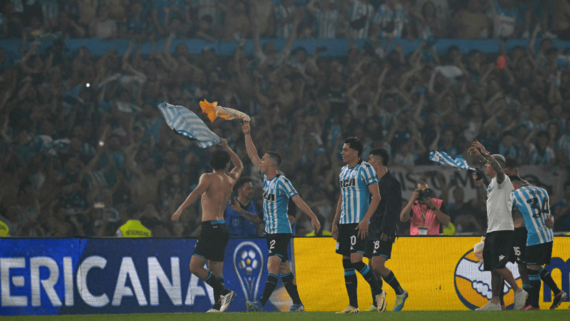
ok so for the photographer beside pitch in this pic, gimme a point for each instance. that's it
(428, 214)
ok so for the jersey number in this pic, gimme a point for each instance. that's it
(353, 240)
(272, 245)
(517, 250)
(536, 210)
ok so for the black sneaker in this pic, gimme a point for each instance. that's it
(558, 299)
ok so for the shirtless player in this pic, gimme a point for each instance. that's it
(214, 189)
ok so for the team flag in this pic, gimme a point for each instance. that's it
(443, 159)
(188, 124)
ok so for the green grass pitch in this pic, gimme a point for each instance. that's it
(562, 314)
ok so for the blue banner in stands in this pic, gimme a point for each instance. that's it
(91, 276)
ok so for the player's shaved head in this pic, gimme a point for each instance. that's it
(275, 158)
(500, 159)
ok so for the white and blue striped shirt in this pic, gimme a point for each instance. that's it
(326, 23)
(281, 12)
(276, 194)
(533, 203)
(564, 145)
(398, 16)
(354, 188)
(357, 11)
(538, 158)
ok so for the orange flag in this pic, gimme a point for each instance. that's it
(214, 111)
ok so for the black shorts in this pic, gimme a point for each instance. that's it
(348, 241)
(277, 244)
(378, 248)
(212, 242)
(518, 250)
(498, 246)
(539, 254)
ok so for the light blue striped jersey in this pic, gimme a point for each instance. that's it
(276, 194)
(360, 10)
(282, 12)
(326, 23)
(354, 188)
(533, 203)
(540, 158)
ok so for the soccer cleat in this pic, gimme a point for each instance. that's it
(381, 301)
(530, 307)
(520, 299)
(558, 299)
(371, 308)
(490, 307)
(255, 306)
(297, 308)
(212, 310)
(400, 300)
(349, 309)
(226, 299)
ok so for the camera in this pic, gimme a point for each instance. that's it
(424, 193)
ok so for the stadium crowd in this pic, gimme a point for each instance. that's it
(83, 145)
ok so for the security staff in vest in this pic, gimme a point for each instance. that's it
(133, 227)
(4, 230)
(426, 214)
(238, 225)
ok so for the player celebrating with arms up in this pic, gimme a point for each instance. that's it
(276, 193)
(500, 227)
(215, 189)
(533, 204)
(358, 182)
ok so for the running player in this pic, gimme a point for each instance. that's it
(533, 204)
(500, 228)
(383, 229)
(214, 189)
(358, 202)
(277, 190)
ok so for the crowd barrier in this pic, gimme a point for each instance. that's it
(92, 276)
(335, 47)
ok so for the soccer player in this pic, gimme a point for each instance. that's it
(500, 228)
(533, 204)
(382, 232)
(239, 225)
(518, 251)
(358, 202)
(277, 190)
(214, 189)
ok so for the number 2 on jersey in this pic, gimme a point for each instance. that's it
(536, 210)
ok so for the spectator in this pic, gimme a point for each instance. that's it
(262, 11)
(285, 14)
(361, 14)
(561, 19)
(103, 27)
(164, 11)
(68, 28)
(237, 24)
(136, 26)
(391, 19)
(540, 152)
(508, 21)
(327, 18)
(464, 215)
(428, 23)
(472, 22)
(205, 29)
(87, 11)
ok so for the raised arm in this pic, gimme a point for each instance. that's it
(480, 149)
(193, 197)
(251, 150)
(405, 214)
(238, 165)
(305, 208)
(245, 214)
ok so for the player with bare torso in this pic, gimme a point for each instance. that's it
(214, 189)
